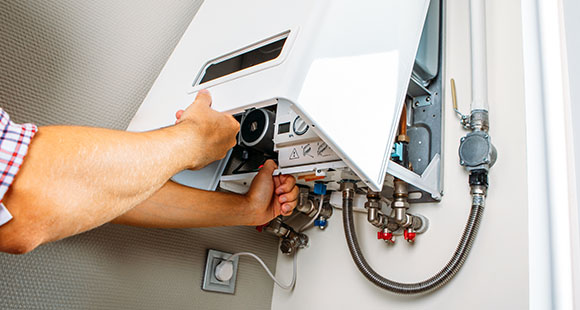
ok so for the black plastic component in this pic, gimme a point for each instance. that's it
(284, 128)
(244, 158)
(240, 62)
(403, 158)
(257, 130)
(405, 162)
(478, 177)
(253, 126)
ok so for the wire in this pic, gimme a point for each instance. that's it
(315, 216)
(283, 286)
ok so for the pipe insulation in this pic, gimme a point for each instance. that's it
(439, 279)
(478, 56)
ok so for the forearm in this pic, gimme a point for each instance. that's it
(77, 178)
(177, 206)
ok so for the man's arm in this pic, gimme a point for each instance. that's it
(76, 178)
(177, 206)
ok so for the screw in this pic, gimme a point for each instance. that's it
(462, 139)
(428, 99)
(462, 163)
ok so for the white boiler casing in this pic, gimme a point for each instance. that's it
(344, 68)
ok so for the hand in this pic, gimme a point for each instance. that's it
(270, 196)
(211, 133)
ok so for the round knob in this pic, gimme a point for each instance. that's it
(300, 127)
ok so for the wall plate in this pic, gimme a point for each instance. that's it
(210, 282)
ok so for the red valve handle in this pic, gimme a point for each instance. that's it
(385, 236)
(409, 236)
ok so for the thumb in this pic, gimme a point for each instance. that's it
(263, 184)
(264, 176)
(203, 97)
(269, 167)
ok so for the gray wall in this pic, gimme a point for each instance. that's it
(92, 63)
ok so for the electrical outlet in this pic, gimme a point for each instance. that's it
(210, 282)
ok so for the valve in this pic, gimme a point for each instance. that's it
(321, 223)
(387, 236)
(409, 235)
(320, 189)
(397, 152)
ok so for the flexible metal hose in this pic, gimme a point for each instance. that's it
(432, 283)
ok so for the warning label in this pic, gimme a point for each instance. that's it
(306, 149)
(307, 153)
(294, 154)
(323, 150)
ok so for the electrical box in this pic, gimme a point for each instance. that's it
(318, 86)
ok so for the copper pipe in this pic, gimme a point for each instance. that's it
(403, 121)
(402, 137)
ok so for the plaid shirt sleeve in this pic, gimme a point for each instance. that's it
(14, 141)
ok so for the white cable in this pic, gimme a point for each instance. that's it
(315, 216)
(286, 287)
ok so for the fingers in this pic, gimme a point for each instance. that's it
(287, 193)
(203, 97)
(288, 183)
(287, 209)
(234, 123)
(277, 181)
(289, 201)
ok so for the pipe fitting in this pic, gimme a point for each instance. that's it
(400, 189)
(476, 152)
(479, 120)
(400, 203)
(478, 194)
(277, 227)
(294, 240)
(305, 205)
(417, 223)
(373, 206)
(326, 211)
(478, 190)
(375, 217)
(348, 188)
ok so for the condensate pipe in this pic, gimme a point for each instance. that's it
(478, 57)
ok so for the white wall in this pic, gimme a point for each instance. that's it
(496, 273)
(571, 10)
(572, 26)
